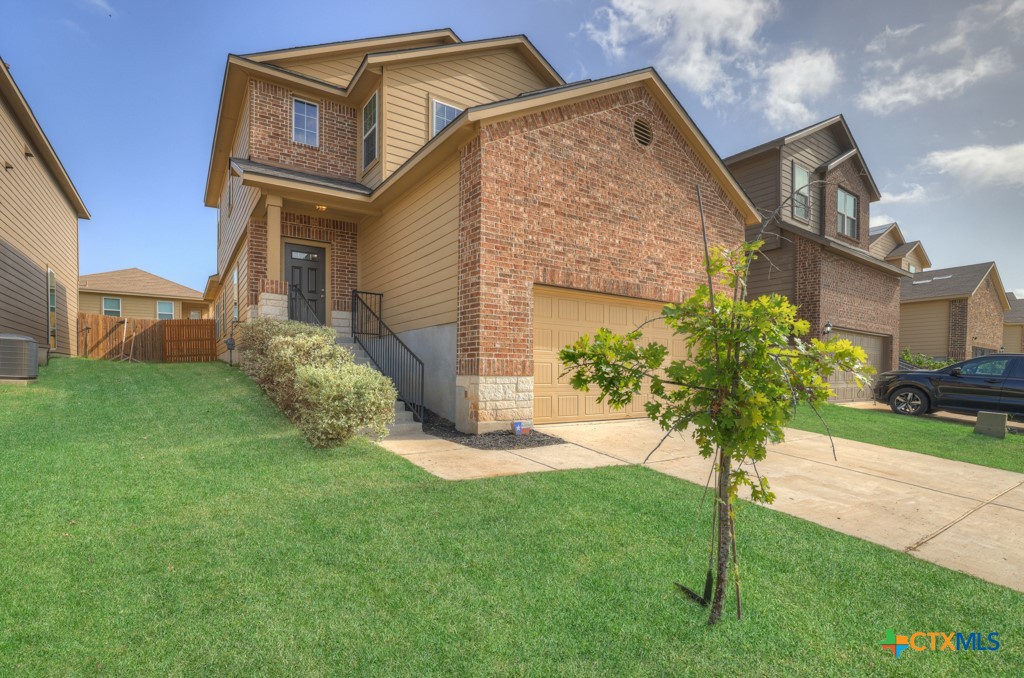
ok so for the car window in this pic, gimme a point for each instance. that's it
(1018, 371)
(991, 367)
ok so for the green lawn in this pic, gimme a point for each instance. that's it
(165, 519)
(917, 434)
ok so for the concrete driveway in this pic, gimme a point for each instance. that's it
(962, 516)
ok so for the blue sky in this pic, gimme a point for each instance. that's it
(127, 92)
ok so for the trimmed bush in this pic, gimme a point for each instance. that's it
(335, 402)
(314, 381)
(924, 362)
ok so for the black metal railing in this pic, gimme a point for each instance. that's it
(299, 307)
(389, 353)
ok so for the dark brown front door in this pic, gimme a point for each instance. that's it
(307, 289)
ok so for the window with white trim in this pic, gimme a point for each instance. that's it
(305, 122)
(801, 192)
(165, 310)
(112, 307)
(51, 283)
(370, 131)
(847, 207)
(443, 116)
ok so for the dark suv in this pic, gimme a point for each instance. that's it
(994, 383)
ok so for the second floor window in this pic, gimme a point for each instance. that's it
(165, 310)
(847, 206)
(112, 306)
(370, 131)
(443, 116)
(801, 193)
(305, 123)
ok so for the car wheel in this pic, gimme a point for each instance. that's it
(910, 401)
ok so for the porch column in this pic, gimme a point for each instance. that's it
(274, 266)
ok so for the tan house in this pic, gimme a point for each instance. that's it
(1013, 325)
(462, 198)
(814, 190)
(953, 313)
(39, 213)
(888, 243)
(134, 293)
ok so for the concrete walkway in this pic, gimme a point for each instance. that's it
(962, 516)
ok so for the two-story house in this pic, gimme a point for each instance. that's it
(813, 189)
(461, 197)
(39, 213)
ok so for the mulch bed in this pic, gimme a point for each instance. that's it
(436, 425)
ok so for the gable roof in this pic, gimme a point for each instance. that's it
(382, 42)
(1015, 316)
(136, 282)
(10, 93)
(876, 232)
(952, 283)
(837, 124)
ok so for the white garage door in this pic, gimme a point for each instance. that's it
(560, 317)
(879, 357)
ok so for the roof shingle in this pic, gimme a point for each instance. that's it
(135, 281)
(945, 283)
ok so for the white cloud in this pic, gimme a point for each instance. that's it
(880, 220)
(913, 193)
(793, 83)
(981, 165)
(100, 6)
(699, 41)
(881, 40)
(979, 17)
(73, 27)
(920, 85)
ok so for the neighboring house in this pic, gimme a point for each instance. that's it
(1013, 325)
(496, 210)
(888, 243)
(953, 313)
(39, 213)
(134, 293)
(814, 190)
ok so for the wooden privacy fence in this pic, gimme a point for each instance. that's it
(173, 341)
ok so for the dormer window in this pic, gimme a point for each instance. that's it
(443, 116)
(801, 192)
(847, 207)
(305, 122)
(370, 131)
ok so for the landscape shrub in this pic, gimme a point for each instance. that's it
(334, 402)
(924, 362)
(314, 381)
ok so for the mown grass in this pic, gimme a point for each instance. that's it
(916, 434)
(165, 519)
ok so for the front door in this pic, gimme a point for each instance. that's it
(307, 288)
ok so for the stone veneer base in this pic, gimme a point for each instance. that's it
(486, 404)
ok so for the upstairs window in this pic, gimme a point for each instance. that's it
(305, 123)
(801, 193)
(165, 310)
(912, 268)
(370, 131)
(847, 206)
(443, 116)
(112, 307)
(51, 281)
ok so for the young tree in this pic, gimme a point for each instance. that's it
(747, 365)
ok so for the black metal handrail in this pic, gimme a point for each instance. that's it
(389, 353)
(299, 307)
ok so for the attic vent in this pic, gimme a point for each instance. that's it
(921, 282)
(642, 132)
(942, 277)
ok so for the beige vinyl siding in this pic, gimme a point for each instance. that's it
(884, 245)
(38, 231)
(457, 81)
(773, 271)
(924, 328)
(759, 177)
(915, 259)
(1013, 338)
(337, 70)
(243, 199)
(810, 152)
(131, 306)
(411, 253)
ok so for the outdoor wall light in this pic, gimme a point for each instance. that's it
(321, 208)
(827, 330)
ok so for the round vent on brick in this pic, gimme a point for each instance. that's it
(643, 132)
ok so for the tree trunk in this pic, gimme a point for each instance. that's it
(724, 546)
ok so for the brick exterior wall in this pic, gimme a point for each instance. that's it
(567, 197)
(270, 133)
(847, 176)
(958, 329)
(985, 319)
(830, 288)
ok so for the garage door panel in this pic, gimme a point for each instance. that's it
(575, 314)
(843, 383)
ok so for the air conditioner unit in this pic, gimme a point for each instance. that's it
(18, 359)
